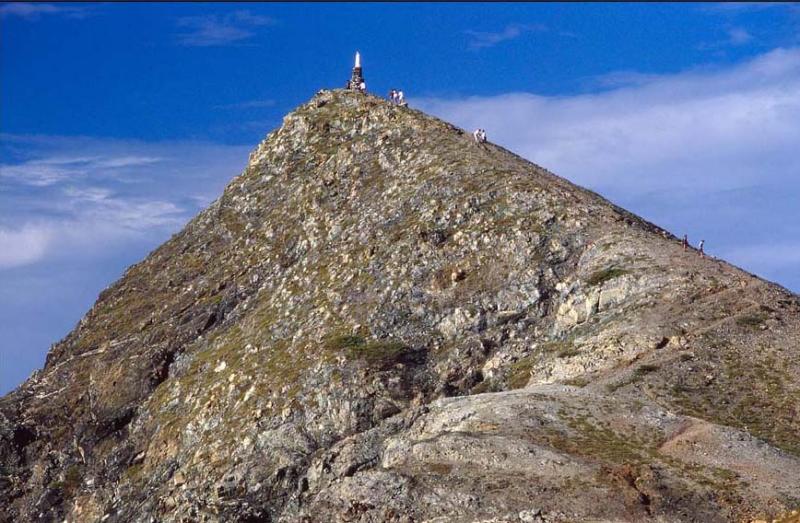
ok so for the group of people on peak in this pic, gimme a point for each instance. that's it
(699, 245)
(480, 135)
(397, 97)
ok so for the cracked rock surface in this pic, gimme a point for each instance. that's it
(382, 320)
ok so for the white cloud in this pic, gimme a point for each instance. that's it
(212, 30)
(738, 36)
(23, 246)
(30, 11)
(734, 37)
(84, 198)
(48, 171)
(125, 161)
(685, 122)
(701, 132)
(481, 39)
(744, 7)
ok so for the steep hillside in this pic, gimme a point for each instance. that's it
(381, 320)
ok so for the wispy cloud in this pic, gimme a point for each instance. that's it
(734, 37)
(251, 104)
(711, 151)
(214, 30)
(483, 39)
(23, 245)
(744, 7)
(617, 79)
(48, 171)
(82, 198)
(32, 12)
(738, 36)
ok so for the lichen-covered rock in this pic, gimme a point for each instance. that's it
(381, 320)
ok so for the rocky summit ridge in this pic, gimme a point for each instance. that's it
(382, 320)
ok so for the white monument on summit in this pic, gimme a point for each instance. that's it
(356, 82)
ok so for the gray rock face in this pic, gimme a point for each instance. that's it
(381, 320)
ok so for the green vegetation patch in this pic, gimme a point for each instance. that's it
(381, 353)
(520, 373)
(758, 394)
(645, 369)
(71, 481)
(384, 352)
(604, 275)
(134, 472)
(636, 375)
(344, 342)
(578, 381)
(751, 320)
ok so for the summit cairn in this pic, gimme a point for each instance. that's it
(356, 82)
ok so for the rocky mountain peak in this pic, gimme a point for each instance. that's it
(382, 320)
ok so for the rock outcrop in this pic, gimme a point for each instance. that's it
(382, 320)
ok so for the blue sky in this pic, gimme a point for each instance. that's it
(119, 122)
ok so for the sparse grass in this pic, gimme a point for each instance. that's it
(480, 388)
(441, 469)
(134, 472)
(555, 346)
(568, 353)
(613, 387)
(379, 352)
(578, 381)
(751, 320)
(618, 450)
(344, 342)
(757, 395)
(636, 375)
(644, 370)
(597, 441)
(383, 353)
(604, 275)
(520, 373)
(71, 481)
